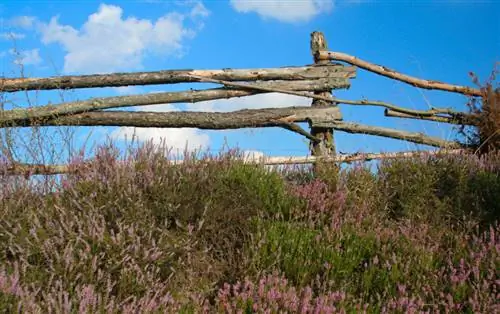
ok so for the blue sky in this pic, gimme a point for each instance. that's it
(438, 40)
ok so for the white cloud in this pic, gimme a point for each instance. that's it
(23, 21)
(177, 139)
(127, 90)
(26, 57)
(109, 42)
(270, 100)
(199, 10)
(180, 138)
(252, 155)
(11, 35)
(284, 10)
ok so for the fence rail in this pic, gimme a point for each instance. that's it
(314, 81)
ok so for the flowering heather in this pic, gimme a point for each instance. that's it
(137, 233)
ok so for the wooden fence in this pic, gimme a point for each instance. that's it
(315, 81)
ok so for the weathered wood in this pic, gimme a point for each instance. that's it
(352, 157)
(462, 119)
(327, 145)
(266, 89)
(248, 118)
(40, 169)
(414, 137)
(366, 102)
(176, 76)
(9, 116)
(384, 71)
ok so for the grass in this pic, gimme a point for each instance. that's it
(139, 234)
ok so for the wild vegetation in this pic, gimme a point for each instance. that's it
(139, 234)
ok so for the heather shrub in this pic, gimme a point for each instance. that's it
(443, 190)
(138, 233)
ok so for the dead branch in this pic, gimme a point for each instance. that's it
(353, 157)
(176, 76)
(419, 138)
(263, 88)
(384, 71)
(366, 102)
(39, 169)
(9, 117)
(461, 119)
(248, 118)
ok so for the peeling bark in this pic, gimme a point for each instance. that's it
(175, 76)
(248, 118)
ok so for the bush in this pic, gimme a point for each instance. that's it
(142, 234)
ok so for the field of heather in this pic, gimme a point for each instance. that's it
(145, 236)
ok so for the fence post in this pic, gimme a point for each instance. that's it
(326, 147)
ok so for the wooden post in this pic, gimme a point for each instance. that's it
(325, 148)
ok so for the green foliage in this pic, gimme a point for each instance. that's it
(146, 229)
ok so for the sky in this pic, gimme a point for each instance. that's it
(437, 40)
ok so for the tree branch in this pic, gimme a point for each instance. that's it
(51, 111)
(384, 71)
(419, 138)
(460, 119)
(366, 102)
(263, 88)
(40, 169)
(176, 76)
(248, 118)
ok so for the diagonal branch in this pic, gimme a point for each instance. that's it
(262, 88)
(366, 102)
(419, 138)
(384, 71)
(460, 119)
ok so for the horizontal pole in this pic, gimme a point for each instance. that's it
(16, 116)
(247, 118)
(414, 137)
(353, 157)
(384, 71)
(176, 76)
(40, 169)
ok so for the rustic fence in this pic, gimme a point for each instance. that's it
(315, 81)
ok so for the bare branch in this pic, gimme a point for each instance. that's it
(419, 138)
(460, 119)
(10, 116)
(384, 71)
(263, 88)
(176, 76)
(366, 102)
(248, 118)
(39, 169)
